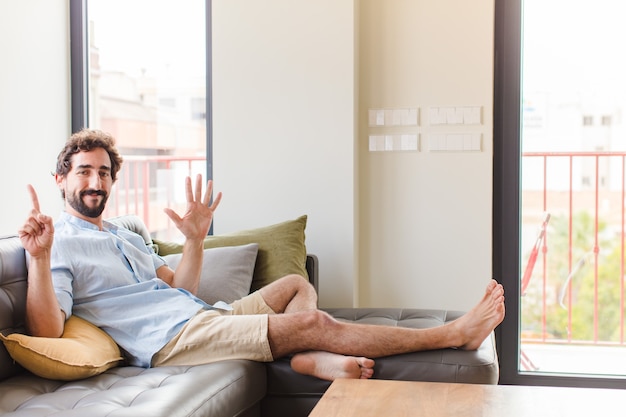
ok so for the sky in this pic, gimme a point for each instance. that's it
(574, 45)
(159, 36)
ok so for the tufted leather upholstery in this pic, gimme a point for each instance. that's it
(12, 297)
(230, 388)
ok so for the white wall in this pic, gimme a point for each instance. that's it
(34, 104)
(283, 80)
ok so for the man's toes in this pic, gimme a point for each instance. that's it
(365, 362)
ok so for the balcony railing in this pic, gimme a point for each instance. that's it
(575, 292)
(148, 184)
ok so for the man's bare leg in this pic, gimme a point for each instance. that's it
(314, 330)
(292, 294)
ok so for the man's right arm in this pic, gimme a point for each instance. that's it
(44, 317)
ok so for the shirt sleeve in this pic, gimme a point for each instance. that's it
(158, 261)
(138, 242)
(62, 281)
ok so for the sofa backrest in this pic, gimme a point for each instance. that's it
(133, 223)
(13, 275)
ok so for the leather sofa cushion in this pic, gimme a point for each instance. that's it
(220, 389)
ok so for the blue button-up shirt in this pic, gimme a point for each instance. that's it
(109, 278)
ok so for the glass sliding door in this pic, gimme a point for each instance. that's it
(566, 133)
(573, 150)
(144, 74)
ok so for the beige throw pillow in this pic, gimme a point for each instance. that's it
(84, 350)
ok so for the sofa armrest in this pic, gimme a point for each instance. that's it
(134, 224)
(312, 269)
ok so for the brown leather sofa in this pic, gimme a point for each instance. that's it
(229, 388)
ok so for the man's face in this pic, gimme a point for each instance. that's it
(88, 184)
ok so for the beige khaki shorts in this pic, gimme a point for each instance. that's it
(217, 335)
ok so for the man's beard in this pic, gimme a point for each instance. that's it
(76, 202)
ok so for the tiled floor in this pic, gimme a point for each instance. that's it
(576, 359)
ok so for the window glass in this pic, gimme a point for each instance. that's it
(147, 87)
(573, 315)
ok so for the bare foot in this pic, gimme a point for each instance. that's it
(479, 322)
(330, 366)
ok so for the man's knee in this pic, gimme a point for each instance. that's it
(297, 284)
(318, 319)
(295, 280)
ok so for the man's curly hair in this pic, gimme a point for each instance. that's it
(86, 140)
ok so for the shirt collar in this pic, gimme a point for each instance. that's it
(84, 224)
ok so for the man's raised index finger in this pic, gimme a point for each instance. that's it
(33, 197)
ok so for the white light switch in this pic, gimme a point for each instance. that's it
(388, 142)
(376, 117)
(408, 142)
(471, 115)
(454, 142)
(398, 116)
(436, 116)
(436, 142)
(376, 143)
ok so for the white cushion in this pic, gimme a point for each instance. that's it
(226, 272)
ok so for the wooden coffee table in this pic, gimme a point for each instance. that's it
(363, 398)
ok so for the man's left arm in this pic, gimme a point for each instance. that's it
(187, 273)
(194, 225)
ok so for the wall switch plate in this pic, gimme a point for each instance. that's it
(455, 115)
(398, 143)
(455, 142)
(393, 117)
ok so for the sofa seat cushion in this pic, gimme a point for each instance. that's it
(444, 365)
(226, 388)
(301, 392)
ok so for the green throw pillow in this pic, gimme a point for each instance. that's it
(281, 249)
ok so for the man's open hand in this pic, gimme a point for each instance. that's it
(196, 221)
